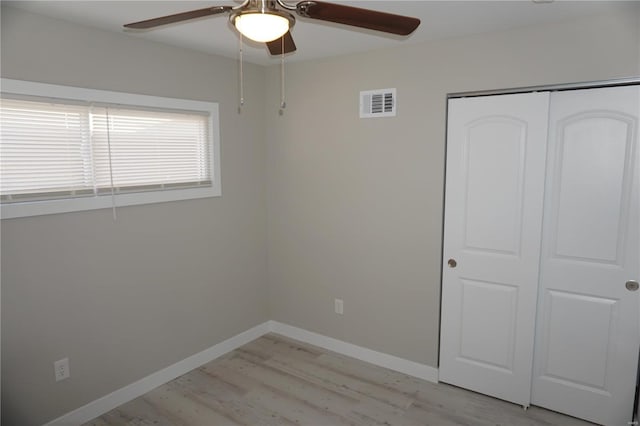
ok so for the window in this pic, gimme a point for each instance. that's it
(65, 149)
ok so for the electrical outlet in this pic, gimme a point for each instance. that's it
(338, 305)
(61, 369)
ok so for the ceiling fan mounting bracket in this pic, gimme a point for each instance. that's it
(286, 6)
(303, 8)
(241, 6)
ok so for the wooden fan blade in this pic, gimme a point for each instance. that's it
(178, 17)
(357, 17)
(275, 46)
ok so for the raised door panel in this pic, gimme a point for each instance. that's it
(565, 350)
(492, 188)
(593, 182)
(495, 350)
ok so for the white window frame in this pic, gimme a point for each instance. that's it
(36, 208)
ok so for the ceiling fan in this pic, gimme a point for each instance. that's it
(270, 21)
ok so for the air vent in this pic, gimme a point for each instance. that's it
(378, 103)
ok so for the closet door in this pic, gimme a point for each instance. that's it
(587, 334)
(496, 150)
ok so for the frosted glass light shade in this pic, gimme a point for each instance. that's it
(261, 27)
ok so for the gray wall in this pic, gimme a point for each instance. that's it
(125, 299)
(355, 206)
(316, 204)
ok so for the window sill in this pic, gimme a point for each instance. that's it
(38, 208)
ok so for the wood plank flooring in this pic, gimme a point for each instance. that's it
(278, 381)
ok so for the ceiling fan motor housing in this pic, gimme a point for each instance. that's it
(262, 6)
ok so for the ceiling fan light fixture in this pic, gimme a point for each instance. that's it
(262, 26)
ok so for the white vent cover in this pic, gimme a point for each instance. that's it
(378, 103)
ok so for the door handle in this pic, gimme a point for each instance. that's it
(632, 285)
(452, 263)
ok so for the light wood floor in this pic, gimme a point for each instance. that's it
(277, 381)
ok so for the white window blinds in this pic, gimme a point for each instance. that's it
(51, 149)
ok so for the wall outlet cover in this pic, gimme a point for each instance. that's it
(61, 369)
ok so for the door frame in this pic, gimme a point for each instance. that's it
(630, 81)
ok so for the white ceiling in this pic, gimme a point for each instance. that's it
(315, 39)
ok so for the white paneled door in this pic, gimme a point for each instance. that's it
(540, 299)
(587, 336)
(496, 150)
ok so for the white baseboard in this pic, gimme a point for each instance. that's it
(123, 395)
(391, 362)
(114, 399)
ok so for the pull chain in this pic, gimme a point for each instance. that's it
(241, 77)
(283, 104)
(113, 195)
